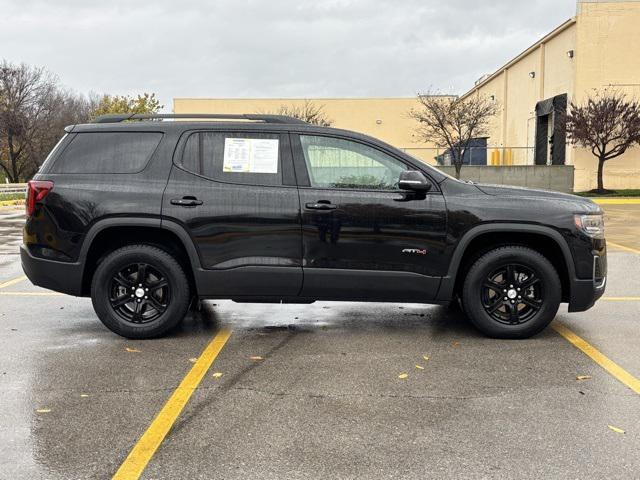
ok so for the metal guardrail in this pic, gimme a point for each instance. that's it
(13, 188)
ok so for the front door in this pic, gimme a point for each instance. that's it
(235, 194)
(363, 238)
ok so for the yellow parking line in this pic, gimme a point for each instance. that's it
(8, 283)
(621, 299)
(622, 247)
(146, 447)
(609, 365)
(32, 294)
(617, 201)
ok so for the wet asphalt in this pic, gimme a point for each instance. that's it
(325, 399)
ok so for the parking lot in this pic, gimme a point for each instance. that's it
(328, 390)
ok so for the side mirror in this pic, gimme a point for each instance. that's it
(414, 180)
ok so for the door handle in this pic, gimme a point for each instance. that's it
(320, 206)
(186, 202)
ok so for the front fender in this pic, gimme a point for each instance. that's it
(445, 293)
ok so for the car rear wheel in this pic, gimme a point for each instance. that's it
(140, 291)
(511, 292)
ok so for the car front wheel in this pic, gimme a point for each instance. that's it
(511, 292)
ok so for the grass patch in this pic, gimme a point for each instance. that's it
(11, 196)
(633, 192)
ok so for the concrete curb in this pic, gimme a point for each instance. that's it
(616, 201)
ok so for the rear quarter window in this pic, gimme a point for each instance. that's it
(107, 152)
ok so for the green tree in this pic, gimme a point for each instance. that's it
(109, 104)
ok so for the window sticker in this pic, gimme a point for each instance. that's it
(251, 155)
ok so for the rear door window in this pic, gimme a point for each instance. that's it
(107, 152)
(250, 158)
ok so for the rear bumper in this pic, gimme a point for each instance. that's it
(59, 276)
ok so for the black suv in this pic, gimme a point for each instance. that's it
(148, 217)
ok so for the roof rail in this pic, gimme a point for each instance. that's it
(120, 117)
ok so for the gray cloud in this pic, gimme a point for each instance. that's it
(279, 48)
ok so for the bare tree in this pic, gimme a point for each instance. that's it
(452, 122)
(67, 108)
(608, 124)
(34, 109)
(308, 112)
(26, 100)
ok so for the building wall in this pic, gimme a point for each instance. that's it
(522, 94)
(605, 40)
(608, 56)
(559, 72)
(384, 118)
(517, 92)
(559, 69)
(496, 88)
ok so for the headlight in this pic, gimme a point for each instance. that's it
(590, 225)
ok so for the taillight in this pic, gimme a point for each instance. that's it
(36, 191)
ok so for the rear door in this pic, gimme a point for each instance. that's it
(235, 194)
(363, 238)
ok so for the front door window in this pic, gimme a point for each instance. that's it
(338, 163)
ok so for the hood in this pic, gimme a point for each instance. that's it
(578, 203)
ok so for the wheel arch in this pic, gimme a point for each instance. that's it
(110, 234)
(482, 238)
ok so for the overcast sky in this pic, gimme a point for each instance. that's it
(277, 48)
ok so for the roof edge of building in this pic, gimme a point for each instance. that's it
(296, 98)
(555, 32)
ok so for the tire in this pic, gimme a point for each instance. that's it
(511, 292)
(154, 284)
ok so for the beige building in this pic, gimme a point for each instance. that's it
(597, 49)
(384, 118)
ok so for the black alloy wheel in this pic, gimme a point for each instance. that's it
(511, 291)
(139, 293)
(512, 294)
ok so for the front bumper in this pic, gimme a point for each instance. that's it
(585, 293)
(59, 276)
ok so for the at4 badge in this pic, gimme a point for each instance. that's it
(414, 250)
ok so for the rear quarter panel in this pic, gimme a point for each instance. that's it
(79, 201)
